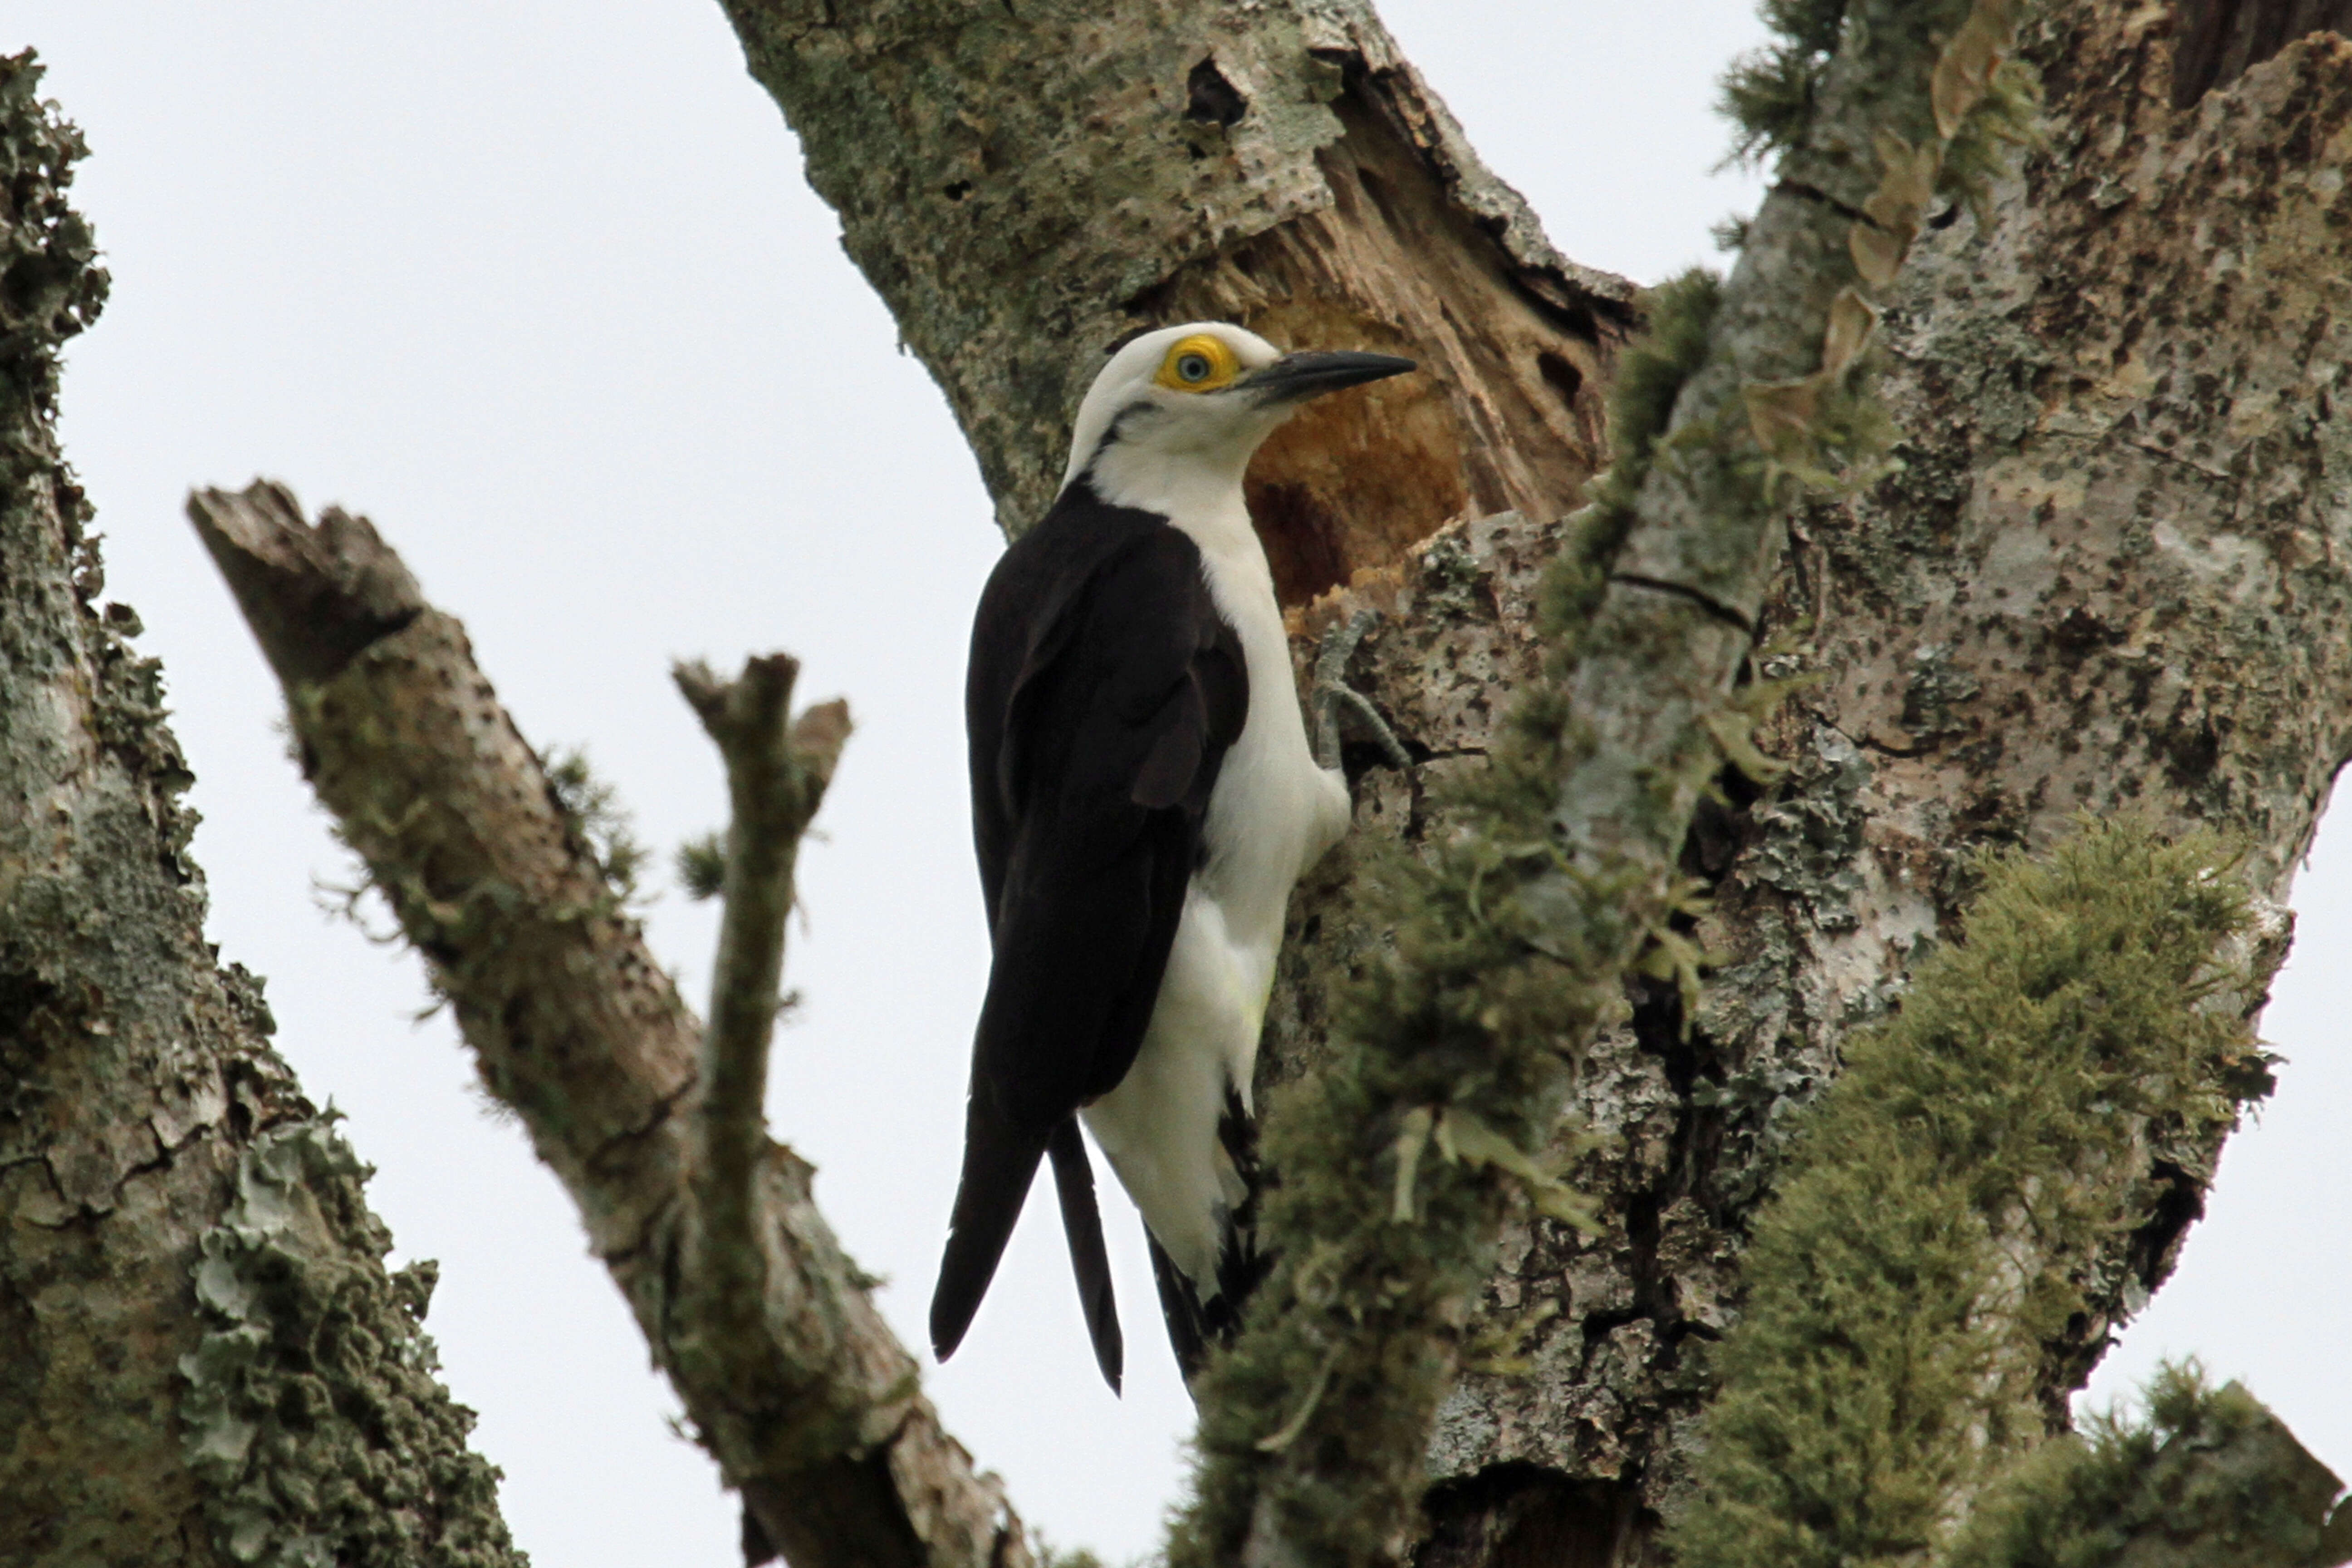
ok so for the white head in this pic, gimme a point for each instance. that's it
(1197, 400)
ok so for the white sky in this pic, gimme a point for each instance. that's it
(539, 287)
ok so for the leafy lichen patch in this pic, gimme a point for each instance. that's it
(311, 1416)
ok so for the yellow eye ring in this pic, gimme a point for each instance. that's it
(1201, 362)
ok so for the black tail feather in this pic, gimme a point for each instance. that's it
(1000, 1161)
(1073, 1179)
(1189, 1331)
(1194, 1326)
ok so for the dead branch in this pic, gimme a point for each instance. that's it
(812, 1408)
(776, 777)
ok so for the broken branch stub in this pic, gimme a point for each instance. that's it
(776, 777)
(812, 1408)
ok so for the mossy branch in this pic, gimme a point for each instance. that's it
(1939, 1214)
(1511, 943)
(2207, 1479)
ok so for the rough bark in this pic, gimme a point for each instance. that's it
(2110, 574)
(2109, 570)
(2106, 573)
(1511, 950)
(203, 1359)
(766, 1328)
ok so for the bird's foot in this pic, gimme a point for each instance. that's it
(1332, 695)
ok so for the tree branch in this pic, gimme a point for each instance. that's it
(812, 1408)
(776, 777)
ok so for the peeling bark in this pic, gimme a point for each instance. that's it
(203, 1359)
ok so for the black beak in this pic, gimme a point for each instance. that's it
(1294, 378)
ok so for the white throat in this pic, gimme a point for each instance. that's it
(1194, 490)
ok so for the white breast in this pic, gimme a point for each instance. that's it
(1273, 814)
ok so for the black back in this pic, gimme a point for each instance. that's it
(1103, 692)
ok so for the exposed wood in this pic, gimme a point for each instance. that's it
(1285, 168)
(2217, 41)
(2111, 574)
(2192, 657)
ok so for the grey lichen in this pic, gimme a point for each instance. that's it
(1810, 833)
(1460, 1045)
(1454, 1070)
(312, 1418)
(1512, 934)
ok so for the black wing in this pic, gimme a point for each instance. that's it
(1104, 690)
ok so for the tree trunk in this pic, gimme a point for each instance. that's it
(203, 1359)
(2107, 574)
(2110, 576)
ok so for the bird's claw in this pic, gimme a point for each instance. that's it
(1332, 693)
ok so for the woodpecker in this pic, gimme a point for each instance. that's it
(1144, 797)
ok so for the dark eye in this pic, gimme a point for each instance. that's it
(1192, 367)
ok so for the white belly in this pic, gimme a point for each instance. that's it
(1273, 814)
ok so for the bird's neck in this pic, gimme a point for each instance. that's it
(1199, 492)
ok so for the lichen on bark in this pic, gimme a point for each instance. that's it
(2041, 610)
(312, 1419)
(135, 1069)
(1023, 184)
(2100, 578)
(1939, 1219)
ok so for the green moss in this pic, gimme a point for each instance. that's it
(1399, 1161)
(592, 808)
(312, 1420)
(1677, 314)
(2208, 1479)
(1768, 95)
(1771, 95)
(1985, 146)
(1888, 1353)
(700, 865)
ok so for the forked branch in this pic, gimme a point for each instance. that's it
(776, 778)
(765, 1327)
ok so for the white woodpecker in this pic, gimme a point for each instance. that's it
(1144, 798)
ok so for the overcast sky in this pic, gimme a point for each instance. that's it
(537, 286)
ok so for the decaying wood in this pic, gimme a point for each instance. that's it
(2112, 570)
(1649, 693)
(2110, 574)
(812, 1409)
(1282, 166)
